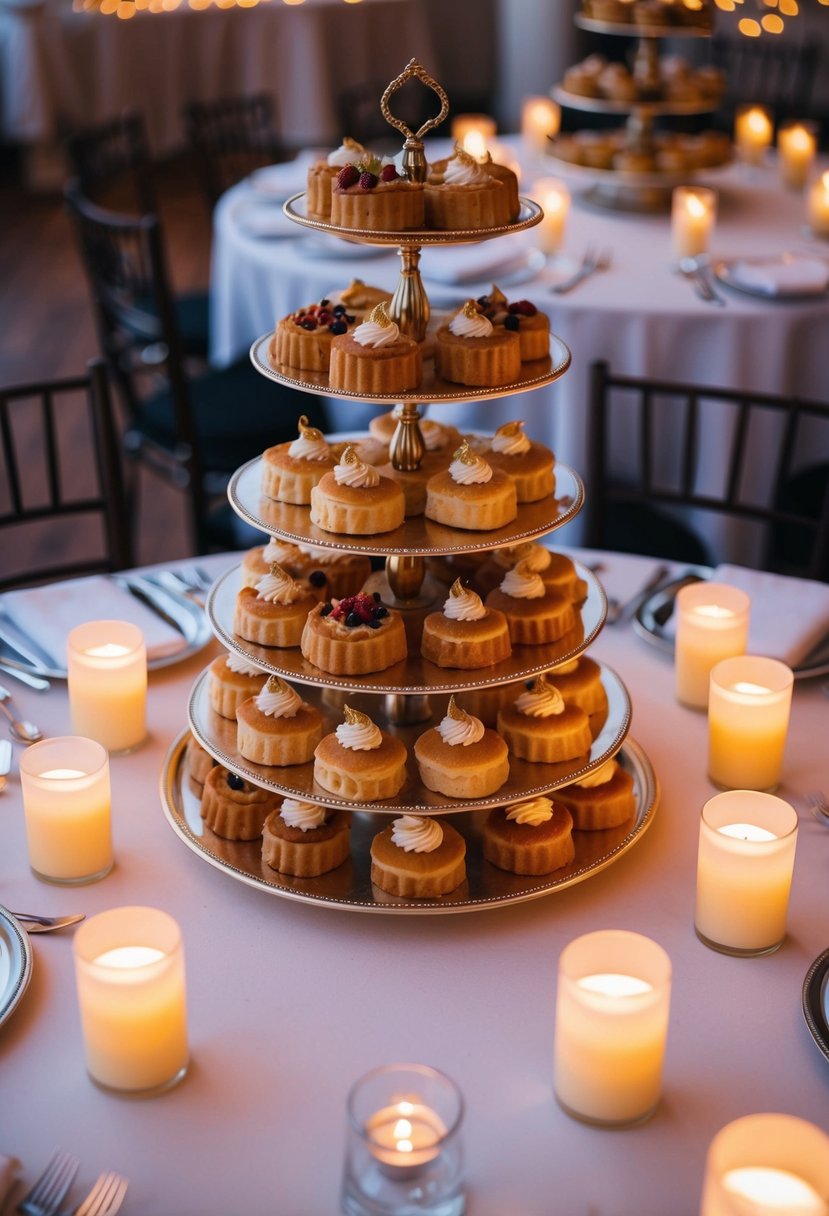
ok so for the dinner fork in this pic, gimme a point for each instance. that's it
(819, 805)
(592, 262)
(50, 1190)
(106, 1196)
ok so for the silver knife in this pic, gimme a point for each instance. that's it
(25, 677)
(24, 645)
(161, 603)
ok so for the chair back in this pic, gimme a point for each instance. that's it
(768, 72)
(61, 466)
(230, 138)
(111, 163)
(677, 463)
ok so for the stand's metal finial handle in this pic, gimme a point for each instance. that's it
(414, 161)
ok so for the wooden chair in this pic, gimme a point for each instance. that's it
(192, 431)
(670, 428)
(62, 512)
(766, 71)
(230, 138)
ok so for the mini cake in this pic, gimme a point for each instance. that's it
(462, 194)
(460, 757)
(360, 761)
(273, 612)
(539, 725)
(232, 680)
(439, 443)
(469, 350)
(508, 178)
(277, 726)
(354, 636)
(334, 574)
(232, 807)
(533, 837)
(521, 317)
(529, 464)
(580, 683)
(257, 562)
(534, 613)
(437, 437)
(556, 569)
(465, 634)
(375, 358)
(354, 499)
(602, 799)
(372, 197)
(291, 470)
(302, 340)
(199, 763)
(360, 298)
(471, 494)
(305, 840)
(322, 174)
(416, 857)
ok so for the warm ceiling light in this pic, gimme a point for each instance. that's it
(772, 24)
(749, 27)
(789, 8)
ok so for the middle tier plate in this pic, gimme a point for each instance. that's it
(414, 674)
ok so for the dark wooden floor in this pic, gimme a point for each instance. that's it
(46, 322)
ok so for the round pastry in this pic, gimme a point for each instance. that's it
(257, 562)
(557, 572)
(232, 807)
(373, 197)
(471, 494)
(509, 179)
(460, 757)
(360, 761)
(630, 161)
(529, 464)
(532, 327)
(305, 840)
(534, 613)
(596, 149)
(602, 799)
(360, 298)
(529, 838)
(273, 612)
(470, 350)
(540, 726)
(332, 574)
(465, 634)
(232, 680)
(462, 194)
(302, 340)
(277, 726)
(199, 763)
(439, 443)
(354, 636)
(290, 470)
(322, 174)
(580, 683)
(354, 499)
(416, 857)
(580, 82)
(376, 358)
(617, 84)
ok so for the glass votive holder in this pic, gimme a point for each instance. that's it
(107, 676)
(711, 625)
(817, 206)
(693, 212)
(403, 1147)
(753, 130)
(744, 872)
(554, 199)
(540, 121)
(474, 132)
(796, 151)
(749, 701)
(614, 995)
(764, 1164)
(129, 968)
(66, 805)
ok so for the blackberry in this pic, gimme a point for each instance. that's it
(326, 609)
(317, 578)
(512, 321)
(353, 620)
(235, 782)
(373, 624)
(339, 327)
(377, 597)
(381, 612)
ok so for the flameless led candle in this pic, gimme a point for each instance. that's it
(749, 701)
(711, 624)
(817, 206)
(474, 132)
(554, 199)
(744, 871)
(107, 665)
(614, 992)
(753, 130)
(129, 968)
(693, 211)
(540, 120)
(66, 803)
(796, 146)
(767, 1165)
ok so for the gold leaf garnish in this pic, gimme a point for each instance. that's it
(541, 683)
(522, 568)
(352, 144)
(471, 309)
(379, 316)
(277, 571)
(275, 684)
(308, 432)
(464, 157)
(353, 717)
(457, 588)
(349, 456)
(455, 712)
(510, 429)
(465, 454)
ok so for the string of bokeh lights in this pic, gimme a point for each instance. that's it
(125, 9)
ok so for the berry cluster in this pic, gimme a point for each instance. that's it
(497, 309)
(324, 316)
(354, 610)
(366, 179)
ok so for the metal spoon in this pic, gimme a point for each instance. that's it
(693, 269)
(5, 762)
(23, 731)
(47, 924)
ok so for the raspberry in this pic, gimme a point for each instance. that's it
(347, 176)
(324, 317)
(388, 173)
(524, 308)
(368, 181)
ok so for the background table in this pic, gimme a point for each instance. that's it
(289, 1004)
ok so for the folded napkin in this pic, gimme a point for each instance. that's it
(789, 616)
(47, 614)
(477, 263)
(283, 180)
(264, 219)
(783, 276)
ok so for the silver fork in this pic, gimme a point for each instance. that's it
(819, 806)
(106, 1196)
(50, 1190)
(591, 263)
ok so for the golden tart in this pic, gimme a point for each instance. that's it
(273, 612)
(508, 178)
(305, 840)
(529, 464)
(471, 494)
(465, 634)
(373, 197)
(376, 358)
(355, 500)
(470, 350)
(353, 636)
(233, 679)
(460, 757)
(359, 298)
(534, 613)
(520, 317)
(416, 857)
(199, 763)
(334, 574)
(557, 571)
(580, 683)
(232, 807)
(277, 726)
(602, 799)
(360, 761)
(291, 470)
(302, 340)
(461, 194)
(534, 837)
(539, 726)
(322, 174)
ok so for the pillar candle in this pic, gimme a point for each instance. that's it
(748, 719)
(554, 199)
(796, 146)
(107, 666)
(540, 121)
(711, 624)
(767, 1165)
(479, 129)
(753, 130)
(817, 206)
(693, 211)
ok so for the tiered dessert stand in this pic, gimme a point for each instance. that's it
(405, 697)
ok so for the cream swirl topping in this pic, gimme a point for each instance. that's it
(323, 557)
(458, 728)
(463, 170)
(357, 732)
(378, 330)
(416, 834)
(510, 440)
(463, 604)
(543, 700)
(241, 665)
(522, 583)
(468, 468)
(348, 153)
(533, 813)
(536, 556)
(302, 815)
(278, 700)
(284, 552)
(311, 444)
(352, 471)
(566, 669)
(601, 776)
(468, 322)
(278, 587)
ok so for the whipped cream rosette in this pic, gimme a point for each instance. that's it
(276, 726)
(311, 444)
(460, 757)
(278, 700)
(466, 633)
(541, 727)
(303, 815)
(534, 813)
(416, 834)
(277, 587)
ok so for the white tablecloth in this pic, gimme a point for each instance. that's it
(289, 1004)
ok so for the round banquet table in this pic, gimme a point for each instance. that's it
(290, 1003)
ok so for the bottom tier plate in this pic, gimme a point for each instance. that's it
(349, 887)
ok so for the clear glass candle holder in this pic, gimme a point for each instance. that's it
(749, 702)
(66, 804)
(693, 213)
(554, 199)
(129, 968)
(753, 132)
(711, 625)
(107, 678)
(767, 1163)
(796, 151)
(403, 1147)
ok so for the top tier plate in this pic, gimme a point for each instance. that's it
(629, 30)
